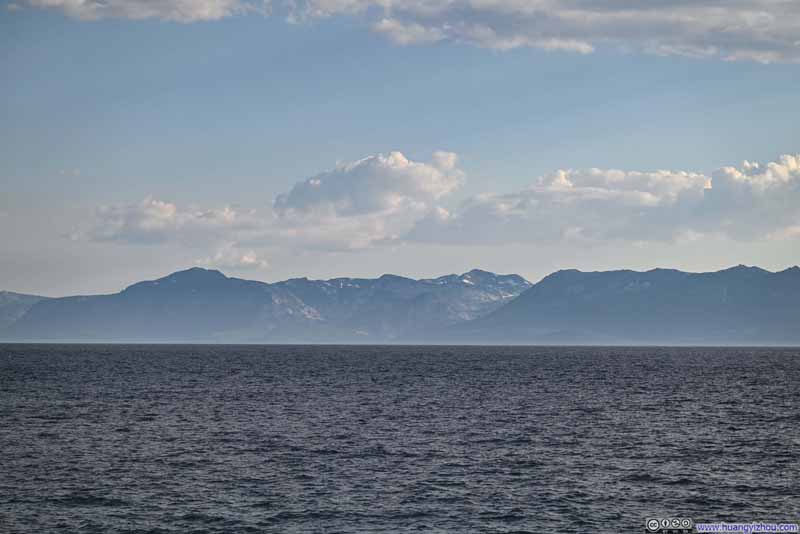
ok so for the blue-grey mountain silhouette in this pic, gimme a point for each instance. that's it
(199, 305)
(15, 305)
(740, 305)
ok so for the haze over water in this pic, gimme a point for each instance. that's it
(393, 439)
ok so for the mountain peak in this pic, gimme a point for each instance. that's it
(562, 273)
(392, 277)
(741, 268)
(196, 273)
(188, 277)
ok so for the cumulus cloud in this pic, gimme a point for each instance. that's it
(171, 10)
(571, 204)
(755, 199)
(753, 30)
(388, 198)
(381, 183)
(374, 199)
(153, 220)
(751, 202)
(353, 206)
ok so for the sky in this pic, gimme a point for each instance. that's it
(327, 138)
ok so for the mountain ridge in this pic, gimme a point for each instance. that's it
(740, 304)
(737, 305)
(205, 305)
(14, 305)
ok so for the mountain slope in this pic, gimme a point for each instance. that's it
(200, 305)
(15, 305)
(741, 305)
(192, 305)
(737, 305)
(397, 308)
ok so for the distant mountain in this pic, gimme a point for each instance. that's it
(15, 305)
(200, 305)
(740, 305)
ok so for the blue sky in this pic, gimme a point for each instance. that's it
(121, 139)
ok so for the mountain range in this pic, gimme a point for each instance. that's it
(740, 305)
(205, 306)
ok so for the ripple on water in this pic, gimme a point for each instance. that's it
(241, 439)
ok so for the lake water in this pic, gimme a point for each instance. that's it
(394, 439)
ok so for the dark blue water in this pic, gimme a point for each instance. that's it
(393, 439)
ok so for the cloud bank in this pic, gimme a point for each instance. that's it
(390, 199)
(755, 30)
(377, 199)
(765, 31)
(596, 204)
(154, 221)
(169, 10)
(748, 203)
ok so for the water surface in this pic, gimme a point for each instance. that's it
(393, 439)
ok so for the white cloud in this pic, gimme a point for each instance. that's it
(790, 232)
(407, 34)
(415, 33)
(171, 10)
(353, 206)
(380, 183)
(229, 256)
(756, 201)
(387, 198)
(152, 220)
(753, 30)
(374, 199)
(764, 31)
